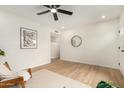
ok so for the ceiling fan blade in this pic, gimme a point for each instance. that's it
(65, 11)
(48, 6)
(55, 16)
(44, 12)
(57, 6)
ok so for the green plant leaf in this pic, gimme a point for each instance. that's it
(2, 53)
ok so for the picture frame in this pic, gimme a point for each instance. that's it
(28, 38)
(76, 41)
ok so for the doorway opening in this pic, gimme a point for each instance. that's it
(55, 45)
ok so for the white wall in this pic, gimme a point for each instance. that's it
(10, 42)
(99, 44)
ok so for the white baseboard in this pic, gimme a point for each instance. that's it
(88, 62)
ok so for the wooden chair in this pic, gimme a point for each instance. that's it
(5, 83)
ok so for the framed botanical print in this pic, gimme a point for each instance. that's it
(28, 38)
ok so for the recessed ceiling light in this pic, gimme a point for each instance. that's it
(62, 27)
(103, 17)
(53, 10)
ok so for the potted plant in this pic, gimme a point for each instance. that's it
(2, 53)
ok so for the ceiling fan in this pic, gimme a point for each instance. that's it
(54, 9)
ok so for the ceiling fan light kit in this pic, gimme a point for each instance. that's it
(54, 9)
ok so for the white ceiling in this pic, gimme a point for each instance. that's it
(82, 14)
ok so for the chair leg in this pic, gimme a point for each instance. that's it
(22, 84)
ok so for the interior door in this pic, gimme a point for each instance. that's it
(121, 50)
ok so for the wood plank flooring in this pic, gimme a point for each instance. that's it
(87, 74)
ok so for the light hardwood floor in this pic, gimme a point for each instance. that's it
(87, 74)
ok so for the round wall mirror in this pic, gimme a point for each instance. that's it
(76, 41)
